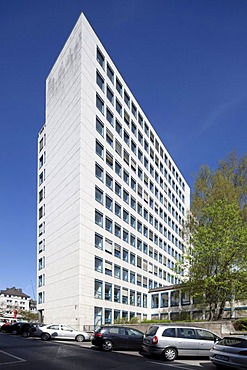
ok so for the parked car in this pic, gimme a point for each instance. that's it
(230, 352)
(58, 331)
(121, 337)
(173, 341)
(16, 328)
(3, 325)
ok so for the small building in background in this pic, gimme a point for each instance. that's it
(13, 300)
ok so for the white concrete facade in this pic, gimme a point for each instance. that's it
(111, 201)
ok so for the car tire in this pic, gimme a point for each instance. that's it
(45, 336)
(14, 332)
(107, 345)
(170, 354)
(80, 338)
(26, 334)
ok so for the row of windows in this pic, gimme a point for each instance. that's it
(136, 151)
(135, 260)
(104, 316)
(129, 218)
(119, 294)
(125, 98)
(106, 156)
(170, 299)
(124, 234)
(130, 161)
(122, 273)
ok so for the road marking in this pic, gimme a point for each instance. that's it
(175, 364)
(12, 362)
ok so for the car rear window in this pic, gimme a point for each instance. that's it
(233, 342)
(152, 330)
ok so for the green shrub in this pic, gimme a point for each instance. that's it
(240, 324)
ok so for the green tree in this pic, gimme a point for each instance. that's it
(27, 315)
(215, 262)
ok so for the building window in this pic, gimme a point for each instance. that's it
(100, 104)
(118, 189)
(98, 289)
(98, 262)
(125, 275)
(99, 195)
(110, 73)
(118, 108)
(110, 95)
(108, 292)
(126, 99)
(119, 86)
(100, 58)
(133, 110)
(133, 184)
(118, 128)
(118, 148)
(99, 126)
(100, 81)
(99, 172)
(108, 268)
(117, 251)
(98, 241)
(99, 149)
(109, 116)
(108, 224)
(126, 216)
(109, 137)
(126, 236)
(126, 138)
(133, 128)
(109, 181)
(117, 297)
(126, 196)
(108, 202)
(117, 210)
(99, 218)
(109, 159)
(118, 169)
(108, 246)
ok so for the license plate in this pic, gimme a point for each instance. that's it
(223, 358)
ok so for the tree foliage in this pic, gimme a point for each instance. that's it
(216, 233)
(27, 315)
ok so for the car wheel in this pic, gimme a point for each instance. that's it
(170, 354)
(107, 345)
(45, 336)
(80, 338)
(26, 334)
(14, 332)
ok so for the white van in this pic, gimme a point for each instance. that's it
(171, 341)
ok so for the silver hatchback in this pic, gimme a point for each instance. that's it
(173, 341)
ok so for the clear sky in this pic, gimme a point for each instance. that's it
(184, 60)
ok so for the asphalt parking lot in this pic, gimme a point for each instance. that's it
(18, 353)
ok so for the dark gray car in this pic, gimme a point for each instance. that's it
(121, 337)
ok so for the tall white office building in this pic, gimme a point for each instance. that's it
(111, 201)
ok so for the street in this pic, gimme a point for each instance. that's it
(18, 353)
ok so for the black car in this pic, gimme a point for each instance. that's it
(21, 328)
(117, 337)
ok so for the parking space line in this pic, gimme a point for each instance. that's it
(175, 365)
(19, 359)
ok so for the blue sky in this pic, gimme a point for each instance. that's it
(184, 60)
